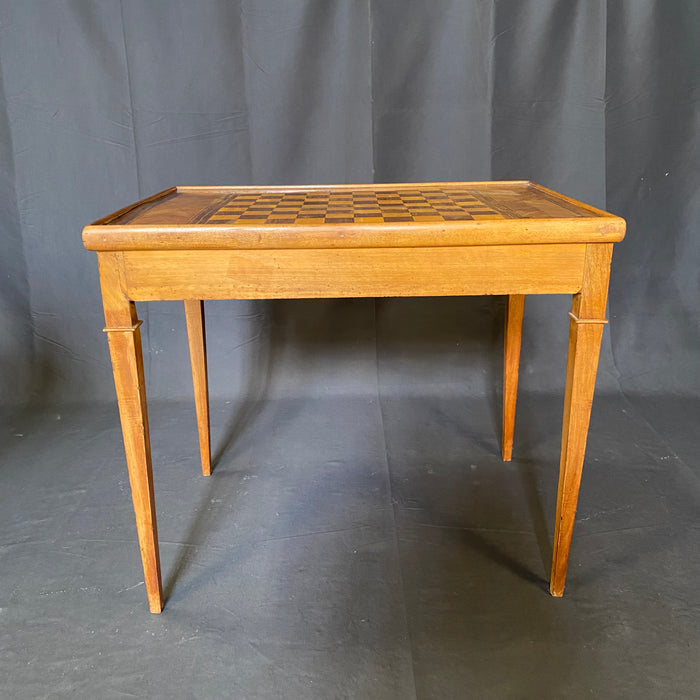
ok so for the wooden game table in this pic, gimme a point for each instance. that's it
(432, 239)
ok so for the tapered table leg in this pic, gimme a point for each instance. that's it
(194, 313)
(127, 363)
(513, 334)
(585, 333)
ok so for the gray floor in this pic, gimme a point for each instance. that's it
(352, 548)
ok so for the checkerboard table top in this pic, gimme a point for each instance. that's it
(469, 213)
(351, 206)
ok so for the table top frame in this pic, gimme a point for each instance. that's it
(160, 222)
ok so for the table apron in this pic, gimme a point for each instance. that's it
(348, 272)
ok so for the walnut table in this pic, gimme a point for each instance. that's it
(433, 239)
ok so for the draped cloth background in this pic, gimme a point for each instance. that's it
(105, 102)
(360, 536)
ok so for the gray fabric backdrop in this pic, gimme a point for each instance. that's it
(104, 102)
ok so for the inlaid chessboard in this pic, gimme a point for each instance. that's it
(427, 205)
